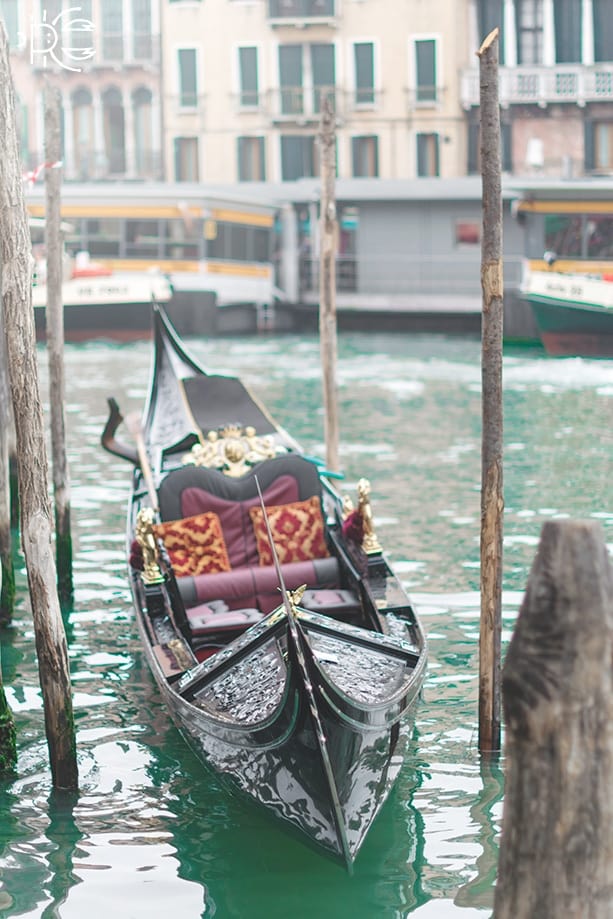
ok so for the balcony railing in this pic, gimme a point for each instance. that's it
(575, 83)
(301, 9)
(297, 103)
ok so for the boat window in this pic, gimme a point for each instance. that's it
(103, 237)
(182, 238)
(143, 238)
(599, 232)
(563, 234)
(239, 242)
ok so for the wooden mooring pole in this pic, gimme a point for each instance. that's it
(327, 282)
(54, 314)
(36, 529)
(492, 502)
(7, 569)
(556, 849)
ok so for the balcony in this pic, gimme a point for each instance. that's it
(299, 105)
(542, 86)
(301, 13)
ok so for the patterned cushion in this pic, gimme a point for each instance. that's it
(297, 530)
(195, 544)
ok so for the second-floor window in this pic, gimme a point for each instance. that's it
(248, 75)
(188, 78)
(364, 62)
(425, 70)
(529, 15)
(112, 30)
(306, 75)
(141, 23)
(603, 30)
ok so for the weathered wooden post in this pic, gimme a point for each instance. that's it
(556, 851)
(492, 501)
(8, 742)
(327, 282)
(36, 530)
(54, 314)
(7, 569)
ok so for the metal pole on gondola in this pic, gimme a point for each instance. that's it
(327, 282)
(54, 315)
(36, 528)
(492, 500)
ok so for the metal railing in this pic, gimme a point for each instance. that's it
(301, 9)
(575, 83)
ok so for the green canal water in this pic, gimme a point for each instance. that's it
(150, 833)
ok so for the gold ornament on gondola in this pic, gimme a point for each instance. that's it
(233, 450)
(145, 537)
(370, 542)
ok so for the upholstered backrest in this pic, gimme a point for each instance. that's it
(196, 490)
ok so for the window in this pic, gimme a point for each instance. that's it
(102, 237)
(563, 234)
(114, 130)
(467, 233)
(248, 67)
(306, 76)
(182, 238)
(490, 16)
(239, 242)
(298, 157)
(112, 30)
(425, 70)
(568, 31)
(143, 238)
(529, 14)
(599, 233)
(603, 30)
(188, 80)
(603, 146)
(323, 73)
(186, 159)
(290, 79)
(141, 20)
(474, 152)
(365, 156)
(364, 61)
(82, 38)
(427, 155)
(251, 165)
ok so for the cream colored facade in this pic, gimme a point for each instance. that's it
(243, 78)
(104, 56)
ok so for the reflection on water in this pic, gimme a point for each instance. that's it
(151, 831)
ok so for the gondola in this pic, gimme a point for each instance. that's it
(287, 651)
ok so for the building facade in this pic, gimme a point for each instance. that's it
(244, 82)
(556, 85)
(104, 57)
(231, 90)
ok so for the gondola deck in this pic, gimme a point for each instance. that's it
(295, 695)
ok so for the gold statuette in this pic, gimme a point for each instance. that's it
(146, 540)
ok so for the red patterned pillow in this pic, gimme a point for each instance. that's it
(195, 544)
(297, 530)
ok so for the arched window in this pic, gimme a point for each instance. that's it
(83, 132)
(143, 132)
(114, 130)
